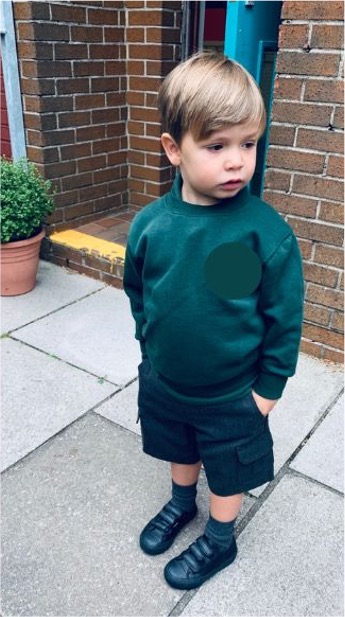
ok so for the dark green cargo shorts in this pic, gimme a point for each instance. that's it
(232, 439)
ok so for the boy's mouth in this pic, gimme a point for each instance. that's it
(232, 184)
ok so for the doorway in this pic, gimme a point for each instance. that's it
(246, 31)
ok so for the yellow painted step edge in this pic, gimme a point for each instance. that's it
(89, 244)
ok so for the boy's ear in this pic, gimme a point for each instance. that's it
(171, 149)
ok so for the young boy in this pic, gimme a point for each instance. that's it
(215, 283)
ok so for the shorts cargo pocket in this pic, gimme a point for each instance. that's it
(255, 461)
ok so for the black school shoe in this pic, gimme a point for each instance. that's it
(161, 531)
(198, 563)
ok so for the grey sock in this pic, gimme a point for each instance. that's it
(221, 533)
(184, 496)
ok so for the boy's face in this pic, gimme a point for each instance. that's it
(217, 167)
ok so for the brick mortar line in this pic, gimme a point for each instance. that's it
(331, 120)
(325, 288)
(321, 221)
(290, 193)
(317, 324)
(307, 78)
(313, 22)
(150, 27)
(314, 51)
(325, 326)
(324, 346)
(306, 197)
(302, 150)
(320, 345)
(332, 268)
(310, 219)
(308, 127)
(312, 262)
(312, 103)
(299, 172)
(310, 34)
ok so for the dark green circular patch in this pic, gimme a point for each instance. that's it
(233, 271)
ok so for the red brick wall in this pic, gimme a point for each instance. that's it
(72, 59)
(5, 143)
(84, 66)
(90, 75)
(305, 162)
(153, 49)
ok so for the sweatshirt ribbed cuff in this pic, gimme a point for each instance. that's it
(269, 385)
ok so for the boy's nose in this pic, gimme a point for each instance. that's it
(234, 161)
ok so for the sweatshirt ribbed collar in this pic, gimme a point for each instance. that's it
(175, 203)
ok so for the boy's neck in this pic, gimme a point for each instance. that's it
(191, 200)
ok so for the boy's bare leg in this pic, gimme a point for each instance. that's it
(184, 475)
(225, 509)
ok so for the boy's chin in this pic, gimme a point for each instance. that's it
(229, 193)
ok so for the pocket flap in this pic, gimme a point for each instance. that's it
(256, 448)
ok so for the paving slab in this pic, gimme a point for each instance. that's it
(308, 394)
(290, 559)
(123, 408)
(71, 515)
(95, 334)
(55, 288)
(328, 439)
(40, 396)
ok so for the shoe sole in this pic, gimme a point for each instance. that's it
(186, 585)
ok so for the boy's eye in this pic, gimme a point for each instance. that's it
(215, 147)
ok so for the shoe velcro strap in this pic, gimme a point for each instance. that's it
(204, 546)
(197, 552)
(167, 516)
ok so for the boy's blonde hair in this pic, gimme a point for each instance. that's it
(207, 92)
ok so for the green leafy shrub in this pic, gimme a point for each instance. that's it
(25, 200)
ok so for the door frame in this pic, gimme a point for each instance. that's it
(12, 81)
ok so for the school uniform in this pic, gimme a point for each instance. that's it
(216, 293)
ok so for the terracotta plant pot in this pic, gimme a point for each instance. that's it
(19, 265)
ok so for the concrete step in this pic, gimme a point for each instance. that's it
(100, 259)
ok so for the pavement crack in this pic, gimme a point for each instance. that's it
(183, 602)
(48, 314)
(295, 472)
(100, 378)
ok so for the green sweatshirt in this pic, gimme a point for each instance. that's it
(217, 295)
